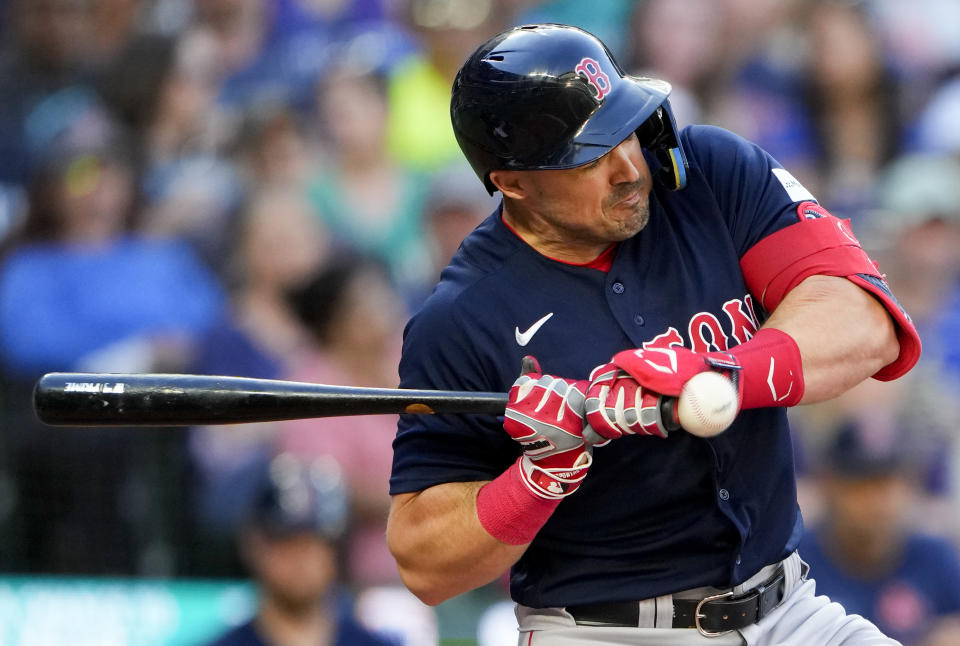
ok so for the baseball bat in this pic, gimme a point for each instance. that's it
(96, 399)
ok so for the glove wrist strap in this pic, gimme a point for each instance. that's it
(771, 372)
(554, 483)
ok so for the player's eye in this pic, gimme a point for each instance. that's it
(593, 164)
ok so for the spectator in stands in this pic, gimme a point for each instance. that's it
(682, 43)
(455, 204)
(419, 134)
(356, 319)
(259, 58)
(833, 116)
(605, 20)
(916, 235)
(131, 84)
(866, 554)
(185, 120)
(46, 63)
(851, 98)
(280, 245)
(272, 148)
(290, 546)
(363, 197)
(922, 40)
(761, 97)
(78, 291)
(190, 188)
(115, 23)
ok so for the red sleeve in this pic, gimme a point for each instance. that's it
(820, 243)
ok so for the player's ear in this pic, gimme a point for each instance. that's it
(510, 183)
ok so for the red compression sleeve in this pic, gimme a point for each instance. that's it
(509, 511)
(771, 370)
(779, 262)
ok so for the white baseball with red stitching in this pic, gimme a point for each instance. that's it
(708, 404)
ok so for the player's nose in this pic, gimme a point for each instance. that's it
(625, 161)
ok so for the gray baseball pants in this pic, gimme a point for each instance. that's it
(801, 619)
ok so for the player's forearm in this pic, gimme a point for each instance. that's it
(844, 334)
(440, 546)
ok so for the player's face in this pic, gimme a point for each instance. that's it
(295, 571)
(575, 213)
(868, 508)
(602, 202)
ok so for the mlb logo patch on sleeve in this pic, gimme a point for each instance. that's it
(794, 189)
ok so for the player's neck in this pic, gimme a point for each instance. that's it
(551, 242)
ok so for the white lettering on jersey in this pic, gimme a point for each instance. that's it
(706, 333)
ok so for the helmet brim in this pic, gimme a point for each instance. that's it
(619, 116)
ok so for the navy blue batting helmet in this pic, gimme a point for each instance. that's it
(551, 96)
(296, 495)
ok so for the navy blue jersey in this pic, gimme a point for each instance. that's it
(653, 516)
(904, 601)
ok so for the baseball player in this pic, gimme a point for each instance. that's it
(628, 256)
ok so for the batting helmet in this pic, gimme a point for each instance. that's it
(301, 496)
(551, 96)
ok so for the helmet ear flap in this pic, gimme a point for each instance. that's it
(658, 134)
(673, 167)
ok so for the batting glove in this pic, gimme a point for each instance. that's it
(617, 405)
(545, 416)
(666, 370)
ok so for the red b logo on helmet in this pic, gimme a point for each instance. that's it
(595, 76)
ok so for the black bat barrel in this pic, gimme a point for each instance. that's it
(94, 399)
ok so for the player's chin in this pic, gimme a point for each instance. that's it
(627, 222)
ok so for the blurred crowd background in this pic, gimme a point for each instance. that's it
(269, 188)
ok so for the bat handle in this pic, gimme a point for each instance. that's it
(668, 413)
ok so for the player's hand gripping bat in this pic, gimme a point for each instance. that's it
(95, 399)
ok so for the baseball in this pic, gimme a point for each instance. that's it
(707, 404)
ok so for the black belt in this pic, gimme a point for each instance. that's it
(711, 615)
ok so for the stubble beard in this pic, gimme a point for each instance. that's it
(615, 227)
(633, 221)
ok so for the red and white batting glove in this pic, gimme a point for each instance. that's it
(767, 369)
(617, 405)
(545, 415)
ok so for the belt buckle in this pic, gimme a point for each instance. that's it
(697, 616)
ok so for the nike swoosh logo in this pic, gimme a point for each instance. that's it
(523, 338)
